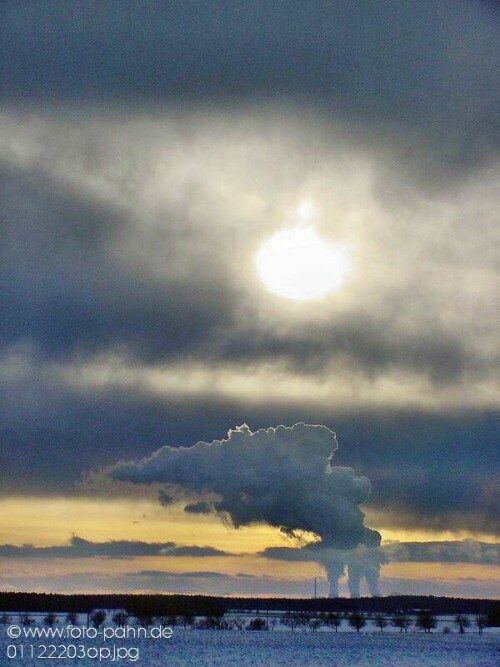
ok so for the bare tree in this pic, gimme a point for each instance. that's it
(315, 623)
(402, 622)
(120, 618)
(98, 617)
(356, 620)
(4, 619)
(426, 621)
(168, 621)
(381, 622)
(187, 620)
(239, 622)
(333, 619)
(481, 622)
(462, 622)
(295, 619)
(50, 619)
(72, 618)
(25, 619)
(145, 620)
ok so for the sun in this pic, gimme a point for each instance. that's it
(298, 264)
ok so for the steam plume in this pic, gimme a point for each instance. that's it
(281, 476)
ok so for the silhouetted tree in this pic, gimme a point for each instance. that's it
(315, 623)
(257, 624)
(333, 619)
(306, 618)
(50, 619)
(72, 618)
(481, 622)
(145, 620)
(295, 619)
(426, 621)
(402, 622)
(98, 617)
(356, 620)
(239, 623)
(168, 621)
(120, 618)
(213, 622)
(462, 622)
(187, 620)
(381, 622)
(25, 619)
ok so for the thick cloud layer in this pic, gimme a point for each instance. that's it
(464, 551)
(429, 66)
(119, 240)
(457, 551)
(280, 476)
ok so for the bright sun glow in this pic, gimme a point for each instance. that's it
(297, 264)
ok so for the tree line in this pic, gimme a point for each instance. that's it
(157, 605)
(215, 620)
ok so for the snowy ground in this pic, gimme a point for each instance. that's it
(213, 648)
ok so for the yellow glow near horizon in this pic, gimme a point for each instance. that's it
(297, 264)
(52, 521)
(118, 518)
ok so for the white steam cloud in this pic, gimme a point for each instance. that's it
(280, 476)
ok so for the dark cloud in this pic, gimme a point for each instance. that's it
(458, 551)
(464, 551)
(433, 469)
(442, 498)
(67, 288)
(194, 551)
(430, 65)
(80, 548)
(97, 261)
(86, 275)
(195, 574)
(372, 344)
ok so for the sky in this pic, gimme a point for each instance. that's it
(171, 423)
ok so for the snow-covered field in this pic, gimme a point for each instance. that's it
(328, 650)
(213, 648)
